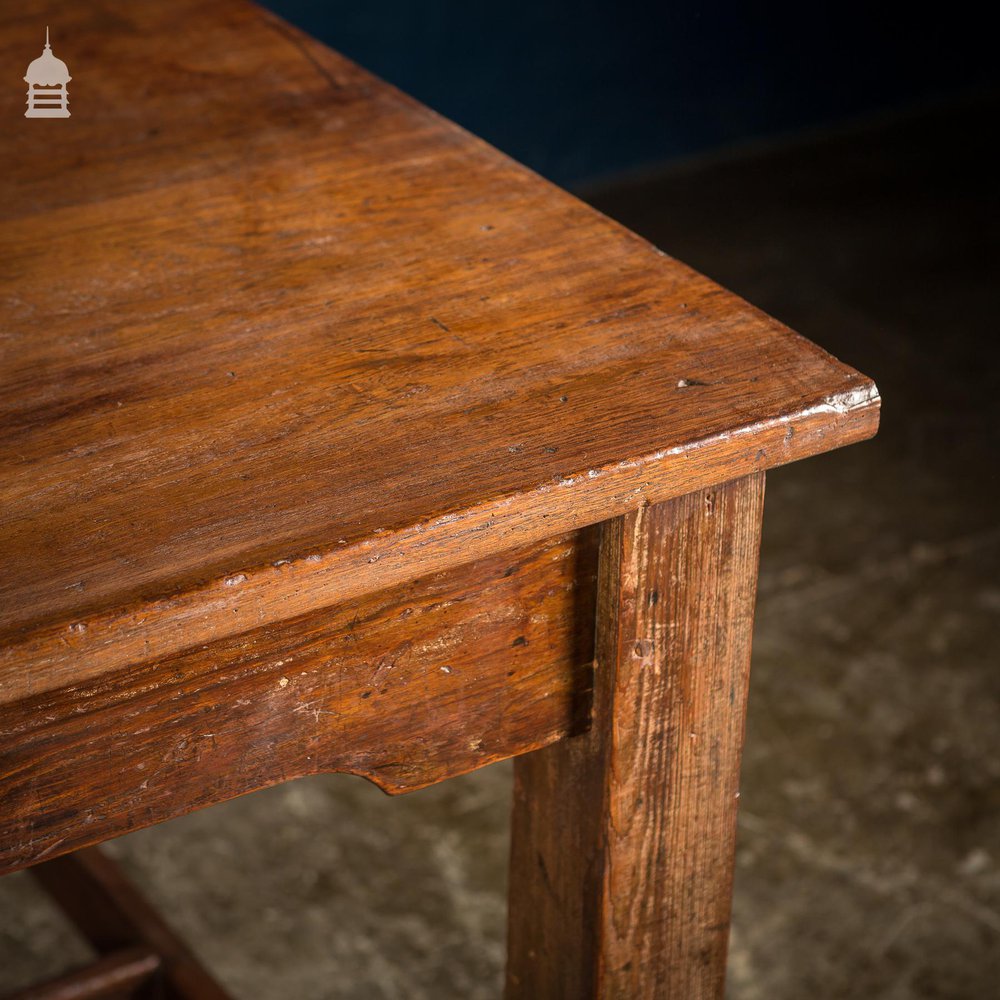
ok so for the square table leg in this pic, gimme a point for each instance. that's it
(623, 838)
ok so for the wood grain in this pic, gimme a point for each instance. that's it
(623, 838)
(275, 337)
(406, 687)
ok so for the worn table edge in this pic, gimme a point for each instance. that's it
(78, 649)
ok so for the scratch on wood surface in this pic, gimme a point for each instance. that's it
(441, 660)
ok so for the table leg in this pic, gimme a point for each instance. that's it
(623, 838)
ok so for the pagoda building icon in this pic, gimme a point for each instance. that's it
(47, 77)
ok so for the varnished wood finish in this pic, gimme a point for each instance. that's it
(113, 915)
(276, 336)
(115, 976)
(407, 687)
(623, 838)
(307, 398)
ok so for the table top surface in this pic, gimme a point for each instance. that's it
(273, 334)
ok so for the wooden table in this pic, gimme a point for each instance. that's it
(333, 440)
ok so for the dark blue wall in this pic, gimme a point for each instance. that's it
(586, 88)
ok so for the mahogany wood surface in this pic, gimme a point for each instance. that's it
(406, 687)
(308, 399)
(274, 336)
(623, 839)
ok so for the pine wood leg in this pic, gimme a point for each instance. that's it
(623, 838)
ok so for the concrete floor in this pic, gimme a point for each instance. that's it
(869, 850)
